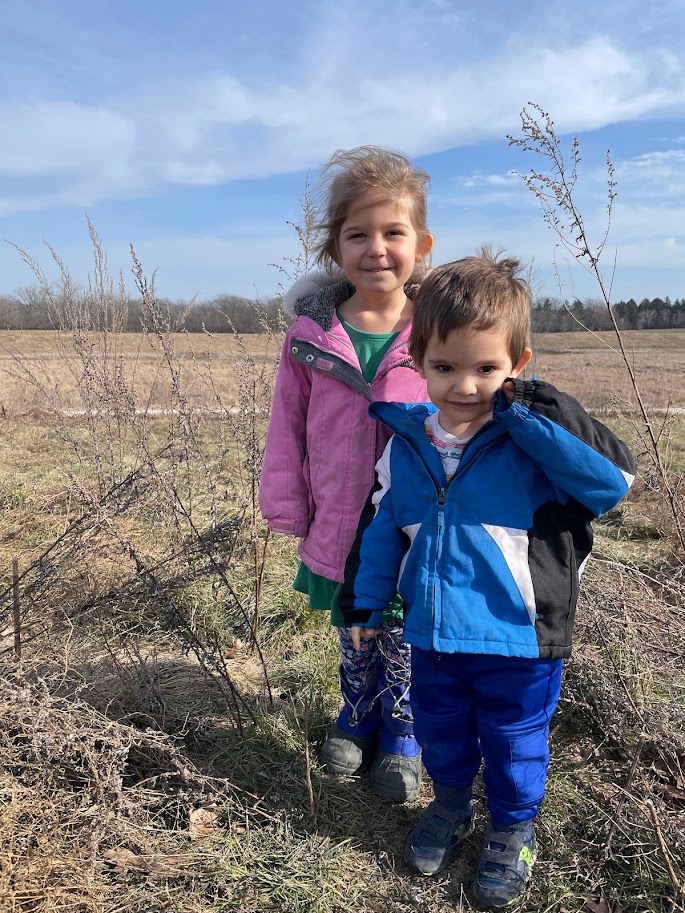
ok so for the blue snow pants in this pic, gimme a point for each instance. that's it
(470, 708)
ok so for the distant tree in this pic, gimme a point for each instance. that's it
(32, 308)
(626, 314)
(9, 313)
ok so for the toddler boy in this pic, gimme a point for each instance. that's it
(481, 520)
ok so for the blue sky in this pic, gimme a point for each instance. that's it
(188, 129)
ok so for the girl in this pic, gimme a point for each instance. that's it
(347, 347)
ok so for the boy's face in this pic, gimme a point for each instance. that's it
(464, 372)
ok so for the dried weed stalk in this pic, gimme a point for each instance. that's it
(626, 679)
(554, 187)
(190, 471)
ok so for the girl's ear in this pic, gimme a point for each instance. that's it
(424, 246)
(522, 362)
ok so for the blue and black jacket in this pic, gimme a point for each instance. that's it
(491, 562)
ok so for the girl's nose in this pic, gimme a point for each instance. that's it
(376, 246)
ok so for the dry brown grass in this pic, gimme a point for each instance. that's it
(586, 365)
(126, 785)
(36, 364)
(589, 367)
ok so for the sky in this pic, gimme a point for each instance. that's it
(190, 130)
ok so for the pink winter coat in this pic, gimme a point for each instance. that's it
(322, 446)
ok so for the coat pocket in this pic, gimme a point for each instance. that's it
(306, 473)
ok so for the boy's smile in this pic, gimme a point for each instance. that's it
(464, 372)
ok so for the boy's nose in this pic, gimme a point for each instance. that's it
(464, 384)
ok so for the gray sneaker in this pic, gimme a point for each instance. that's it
(505, 864)
(440, 829)
(395, 777)
(347, 755)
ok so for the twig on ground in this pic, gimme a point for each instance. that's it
(678, 885)
(624, 795)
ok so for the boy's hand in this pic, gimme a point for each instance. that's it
(359, 632)
(508, 390)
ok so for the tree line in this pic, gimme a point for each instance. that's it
(551, 315)
(33, 308)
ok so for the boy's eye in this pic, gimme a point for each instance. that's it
(487, 369)
(443, 369)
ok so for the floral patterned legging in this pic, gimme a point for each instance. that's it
(378, 672)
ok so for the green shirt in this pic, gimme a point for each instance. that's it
(370, 347)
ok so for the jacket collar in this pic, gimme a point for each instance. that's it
(407, 421)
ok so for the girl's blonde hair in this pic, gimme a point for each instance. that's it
(350, 173)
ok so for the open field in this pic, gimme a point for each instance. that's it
(589, 366)
(159, 731)
(586, 365)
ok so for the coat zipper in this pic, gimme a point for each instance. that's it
(442, 498)
(442, 494)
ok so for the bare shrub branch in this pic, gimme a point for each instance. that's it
(554, 186)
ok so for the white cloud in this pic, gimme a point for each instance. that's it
(61, 137)
(215, 129)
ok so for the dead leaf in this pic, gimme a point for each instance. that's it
(322, 839)
(673, 796)
(125, 860)
(204, 821)
(233, 651)
(597, 906)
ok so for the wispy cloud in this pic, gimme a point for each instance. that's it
(149, 120)
(217, 128)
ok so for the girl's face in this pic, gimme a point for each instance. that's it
(378, 246)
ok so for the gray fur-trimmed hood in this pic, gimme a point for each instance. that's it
(309, 285)
(318, 294)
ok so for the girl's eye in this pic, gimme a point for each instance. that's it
(443, 369)
(487, 369)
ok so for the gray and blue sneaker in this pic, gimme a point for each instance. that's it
(440, 829)
(505, 865)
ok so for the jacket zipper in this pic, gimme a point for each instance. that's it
(442, 498)
(402, 363)
(442, 494)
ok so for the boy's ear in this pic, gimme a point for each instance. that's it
(419, 368)
(522, 362)
(425, 245)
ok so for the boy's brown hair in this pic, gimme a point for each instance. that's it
(348, 174)
(484, 291)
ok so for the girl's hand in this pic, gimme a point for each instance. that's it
(357, 632)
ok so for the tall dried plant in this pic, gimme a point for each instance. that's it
(194, 467)
(554, 185)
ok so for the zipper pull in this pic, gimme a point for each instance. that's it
(442, 493)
